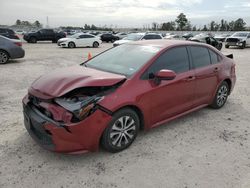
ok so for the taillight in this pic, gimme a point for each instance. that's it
(18, 43)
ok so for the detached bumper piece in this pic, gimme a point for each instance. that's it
(35, 127)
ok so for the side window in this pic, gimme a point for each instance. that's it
(82, 36)
(200, 56)
(175, 59)
(147, 37)
(157, 37)
(214, 57)
(89, 36)
(248, 35)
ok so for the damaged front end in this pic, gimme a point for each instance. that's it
(61, 122)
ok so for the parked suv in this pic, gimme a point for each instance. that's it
(44, 35)
(108, 37)
(240, 39)
(9, 33)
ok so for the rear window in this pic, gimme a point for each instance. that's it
(214, 57)
(200, 56)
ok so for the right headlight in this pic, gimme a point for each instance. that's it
(80, 107)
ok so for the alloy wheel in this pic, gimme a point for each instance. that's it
(3, 57)
(222, 95)
(123, 131)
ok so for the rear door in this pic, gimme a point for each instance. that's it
(206, 73)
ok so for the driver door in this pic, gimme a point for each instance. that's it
(171, 97)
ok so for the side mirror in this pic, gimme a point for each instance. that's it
(165, 75)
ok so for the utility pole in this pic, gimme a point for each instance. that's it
(47, 22)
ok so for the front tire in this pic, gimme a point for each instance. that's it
(121, 131)
(4, 57)
(71, 45)
(95, 45)
(243, 45)
(221, 96)
(226, 46)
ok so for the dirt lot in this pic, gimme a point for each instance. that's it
(206, 149)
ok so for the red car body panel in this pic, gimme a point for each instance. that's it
(157, 103)
(68, 79)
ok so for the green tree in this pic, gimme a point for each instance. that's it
(169, 26)
(239, 25)
(212, 26)
(181, 21)
(205, 28)
(18, 22)
(37, 24)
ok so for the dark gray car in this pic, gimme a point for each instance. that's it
(10, 49)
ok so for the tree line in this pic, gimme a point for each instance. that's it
(183, 24)
(28, 24)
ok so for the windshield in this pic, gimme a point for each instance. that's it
(240, 34)
(133, 37)
(125, 59)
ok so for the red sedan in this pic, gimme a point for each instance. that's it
(109, 98)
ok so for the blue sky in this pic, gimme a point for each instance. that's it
(122, 13)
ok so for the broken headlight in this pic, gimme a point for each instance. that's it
(80, 107)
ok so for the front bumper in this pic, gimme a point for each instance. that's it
(71, 138)
(239, 44)
(62, 44)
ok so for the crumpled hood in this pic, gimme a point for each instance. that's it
(62, 81)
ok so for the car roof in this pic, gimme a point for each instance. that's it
(166, 43)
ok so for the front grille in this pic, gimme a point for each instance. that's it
(232, 40)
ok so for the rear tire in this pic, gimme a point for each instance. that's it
(71, 45)
(121, 131)
(4, 57)
(221, 96)
(33, 40)
(226, 46)
(95, 45)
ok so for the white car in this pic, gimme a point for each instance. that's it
(240, 39)
(80, 40)
(138, 36)
(121, 35)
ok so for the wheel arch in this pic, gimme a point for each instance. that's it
(229, 82)
(138, 111)
(6, 52)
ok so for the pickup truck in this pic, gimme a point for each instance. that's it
(44, 35)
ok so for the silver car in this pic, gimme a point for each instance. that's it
(10, 49)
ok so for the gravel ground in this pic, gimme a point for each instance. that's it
(205, 149)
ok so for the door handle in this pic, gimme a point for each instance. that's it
(190, 78)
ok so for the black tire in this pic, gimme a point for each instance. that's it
(226, 46)
(33, 40)
(95, 44)
(219, 46)
(221, 96)
(121, 131)
(71, 45)
(4, 57)
(243, 45)
(113, 40)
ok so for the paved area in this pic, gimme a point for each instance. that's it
(205, 149)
